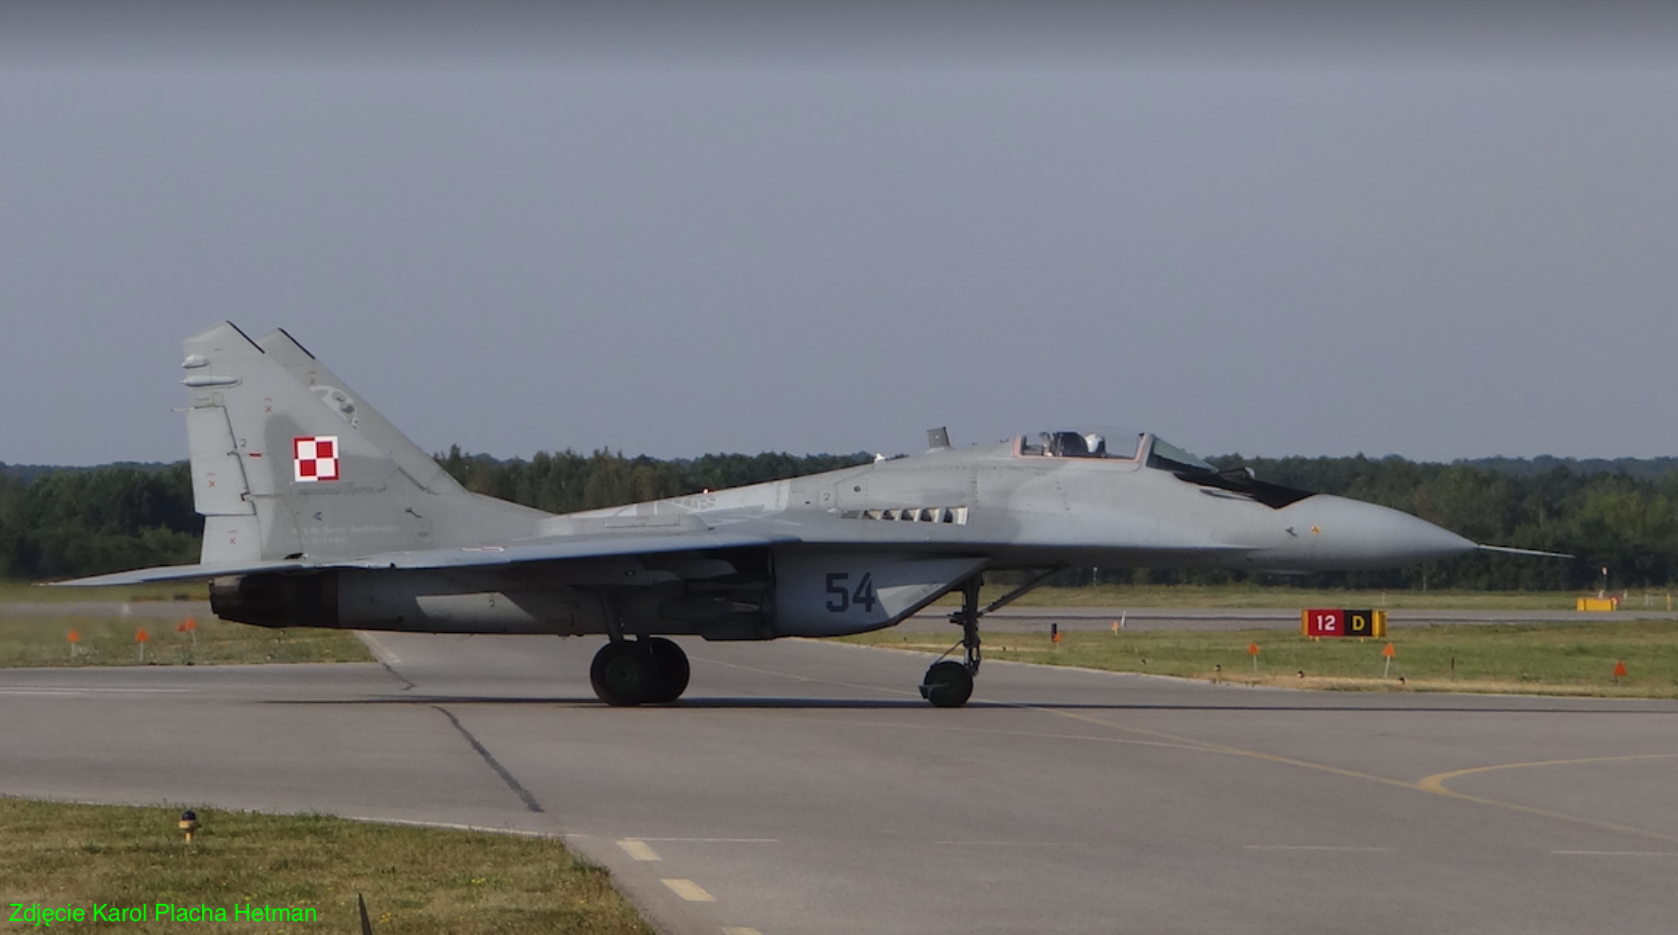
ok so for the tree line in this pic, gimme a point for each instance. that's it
(1624, 519)
(68, 522)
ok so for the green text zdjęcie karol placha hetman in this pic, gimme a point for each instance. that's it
(38, 915)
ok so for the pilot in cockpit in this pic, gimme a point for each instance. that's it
(1074, 445)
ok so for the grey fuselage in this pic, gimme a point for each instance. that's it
(319, 512)
(1020, 509)
(845, 551)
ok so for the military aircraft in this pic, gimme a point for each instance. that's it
(318, 512)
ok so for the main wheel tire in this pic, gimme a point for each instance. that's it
(672, 668)
(623, 674)
(947, 685)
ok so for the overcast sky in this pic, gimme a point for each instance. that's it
(695, 227)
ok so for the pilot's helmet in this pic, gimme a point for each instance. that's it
(1097, 444)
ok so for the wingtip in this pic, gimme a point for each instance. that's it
(1508, 550)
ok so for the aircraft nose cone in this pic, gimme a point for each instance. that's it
(1350, 535)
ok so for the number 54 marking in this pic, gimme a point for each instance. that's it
(840, 598)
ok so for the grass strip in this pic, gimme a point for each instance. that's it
(1539, 659)
(12, 592)
(1256, 596)
(27, 642)
(415, 880)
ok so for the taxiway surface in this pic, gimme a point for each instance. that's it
(804, 787)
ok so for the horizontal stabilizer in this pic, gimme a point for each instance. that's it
(549, 550)
(181, 573)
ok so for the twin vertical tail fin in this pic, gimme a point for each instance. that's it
(289, 463)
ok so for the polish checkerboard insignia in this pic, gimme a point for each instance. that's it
(314, 458)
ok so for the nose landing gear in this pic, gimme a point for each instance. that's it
(948, 684)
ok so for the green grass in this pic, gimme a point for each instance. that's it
(415, 880)
(22, 591)
(1249, 595)
(1551, 659)
(29, 641)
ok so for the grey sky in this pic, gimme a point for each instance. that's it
(683, 228)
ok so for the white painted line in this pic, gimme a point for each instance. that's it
(739, 930)
(1617, 853)
(1311, 847)
(716, 840)
(379, 649)
(451, 826)
(638, 850)
(690, 891)
(1001, 844)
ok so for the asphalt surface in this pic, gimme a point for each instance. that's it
(803, 787)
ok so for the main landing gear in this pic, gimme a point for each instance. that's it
(649, 670)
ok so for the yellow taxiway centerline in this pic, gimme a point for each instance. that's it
(638, 850)
(689, 890)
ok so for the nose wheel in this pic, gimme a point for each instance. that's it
(649, 670)
(948, 684)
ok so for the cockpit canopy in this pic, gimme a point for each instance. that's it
(1119, 444)
(1159, 454)
(1168, 457)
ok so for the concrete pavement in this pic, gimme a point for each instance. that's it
(803, 787)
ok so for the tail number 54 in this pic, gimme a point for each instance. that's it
(841, 596)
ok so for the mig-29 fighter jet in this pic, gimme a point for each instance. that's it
(318, 512)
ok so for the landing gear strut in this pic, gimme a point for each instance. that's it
(948, 684)
(649, 670)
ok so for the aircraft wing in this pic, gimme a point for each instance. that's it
(558, 548)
